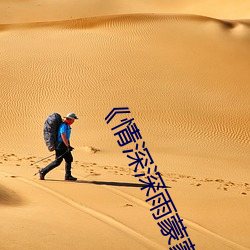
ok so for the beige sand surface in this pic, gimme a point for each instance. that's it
(185, 79)
(16, 11)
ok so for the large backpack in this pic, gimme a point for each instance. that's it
(50, 130)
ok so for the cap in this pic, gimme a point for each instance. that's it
(71, 116)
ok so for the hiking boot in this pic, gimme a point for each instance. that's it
(70, 178)
(41, 175)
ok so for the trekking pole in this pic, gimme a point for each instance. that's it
(41, 160)
(48, 157)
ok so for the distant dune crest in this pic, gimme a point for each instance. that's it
(119, 21)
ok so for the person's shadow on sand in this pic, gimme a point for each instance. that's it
(109, 183)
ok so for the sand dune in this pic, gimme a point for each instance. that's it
(204, 103)
(8, 197)
(185, 80)
(37, 11)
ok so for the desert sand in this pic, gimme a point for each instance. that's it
(181, 68)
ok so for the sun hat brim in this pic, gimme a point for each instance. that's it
(71, 116)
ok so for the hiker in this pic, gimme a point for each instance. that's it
(63, 149)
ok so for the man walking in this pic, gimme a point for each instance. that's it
(63, 150)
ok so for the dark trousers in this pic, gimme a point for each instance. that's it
(60, 155)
